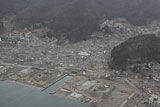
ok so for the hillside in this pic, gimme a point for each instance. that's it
(76, 20)
(136, 50)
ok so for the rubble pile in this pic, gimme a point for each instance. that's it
(28, 47)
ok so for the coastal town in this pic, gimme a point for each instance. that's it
(27, 58)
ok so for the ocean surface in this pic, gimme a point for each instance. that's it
(13, 94)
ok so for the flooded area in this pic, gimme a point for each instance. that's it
(13, 94)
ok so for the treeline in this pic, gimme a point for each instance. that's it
(1, 28)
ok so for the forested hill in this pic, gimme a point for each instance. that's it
(79, 17)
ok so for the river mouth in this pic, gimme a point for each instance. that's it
(15, 94)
